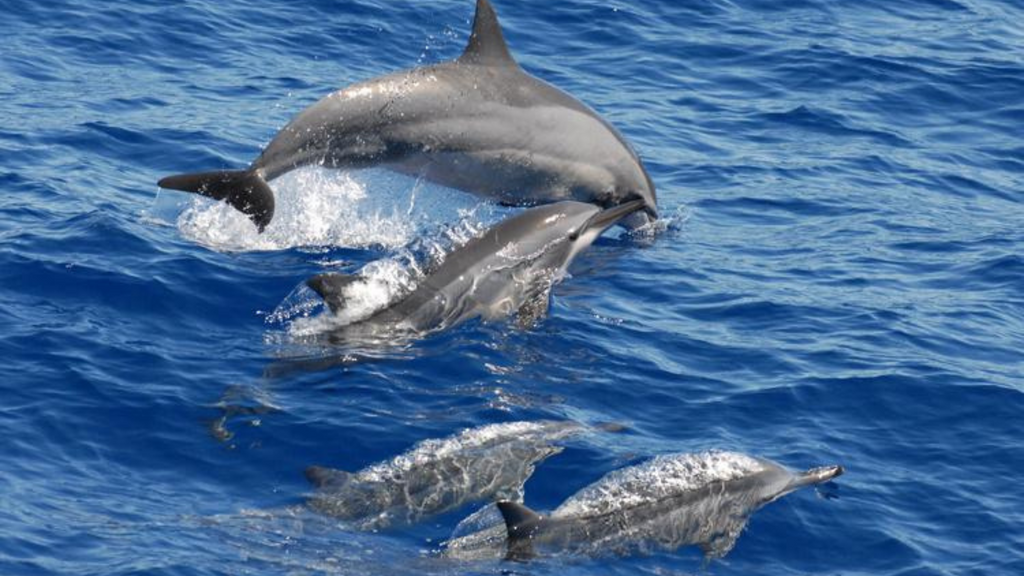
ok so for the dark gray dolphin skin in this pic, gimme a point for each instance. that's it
(436, 476)
(509, 269)
(478, 123)
(668, 502)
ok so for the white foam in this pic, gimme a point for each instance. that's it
(382, 282)
(668, 222)
(315, 207)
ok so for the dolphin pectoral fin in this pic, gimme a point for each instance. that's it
(487, 43)
(331, 287)
(322, 477)
(534, 309)
(719, 544)
(244, 190)
(521, 523)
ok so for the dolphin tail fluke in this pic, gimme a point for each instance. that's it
(331, 287)
(816, 476)
(245, 190)
(521, 523)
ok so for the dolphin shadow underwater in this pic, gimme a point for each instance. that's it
(665, 503)
(478, 123)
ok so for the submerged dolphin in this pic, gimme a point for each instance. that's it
(437, 476)
(665, 503)
(478, 123)
(509, 269)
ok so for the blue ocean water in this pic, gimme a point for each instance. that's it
(841, 280)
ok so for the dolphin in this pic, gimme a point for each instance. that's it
(668, 502)
(509, 269)
(478, 123)
(440, 475)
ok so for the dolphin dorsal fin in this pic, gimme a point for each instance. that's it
(518, 516)
(487, 43)
(521, 523)
(330, 286)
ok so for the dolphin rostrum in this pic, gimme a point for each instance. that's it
(668, 502)
(440, 475)
(509, 269)
(478, 123)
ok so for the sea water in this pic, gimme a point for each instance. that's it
(841, 280)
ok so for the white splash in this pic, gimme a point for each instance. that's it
(669, 221)
(382, 282)
(315, 207)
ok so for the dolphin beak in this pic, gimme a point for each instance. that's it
(607, 218)
(822, 474)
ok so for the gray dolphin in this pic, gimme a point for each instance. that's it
(665, 503)
(478, 123)
(440, 475)
(509, 269)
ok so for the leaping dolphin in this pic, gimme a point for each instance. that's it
(665, 503)
(508, 270)
(478, 123)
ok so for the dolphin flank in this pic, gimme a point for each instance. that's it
(478, 123)
(670, 501)
(439, 475)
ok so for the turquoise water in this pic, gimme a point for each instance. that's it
(840, 280)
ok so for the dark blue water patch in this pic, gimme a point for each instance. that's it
(121, 105)
(35, 68)
(1000, 272)
(969, 188)
(921, 9)
(821, 122)
(763, 207)
(1012, 159)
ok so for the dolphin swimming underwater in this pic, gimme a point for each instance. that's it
(668, 502)
(440, 475)
(478, 123)
(509, 269)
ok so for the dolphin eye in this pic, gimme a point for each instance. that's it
(574, 235)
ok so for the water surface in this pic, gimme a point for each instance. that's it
(842, 281)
